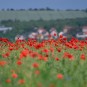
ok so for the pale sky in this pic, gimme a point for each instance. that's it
(54, 4)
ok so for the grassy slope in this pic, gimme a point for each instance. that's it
(45, 15)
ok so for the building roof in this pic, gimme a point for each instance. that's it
(2, 28)
(67, 27)
(84, 27)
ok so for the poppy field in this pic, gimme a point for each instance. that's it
(50, 63)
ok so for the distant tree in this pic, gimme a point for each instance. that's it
(22, 9)
(12, 9)
(3, 9)
(69, 10)
(8, 9)
(58, 9)
(35, 9)
(49, 9)
(86, 10)
(42, 9)
(77, 10)
(30, 9)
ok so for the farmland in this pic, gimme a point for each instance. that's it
(50, 63)
(41, 15)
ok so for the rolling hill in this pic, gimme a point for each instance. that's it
(41, 15)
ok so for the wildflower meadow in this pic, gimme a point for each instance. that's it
(49, 63)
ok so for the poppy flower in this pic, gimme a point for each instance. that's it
(60, 76)
(35, 65)
(57, 59)
(21, 81)
(83, 56)
(19, 62)
(14, 75)
(3, 63)
(8, 80)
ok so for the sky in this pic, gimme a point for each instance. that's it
(54, 4)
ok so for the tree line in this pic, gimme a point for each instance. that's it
(41, 9)
(21, 27)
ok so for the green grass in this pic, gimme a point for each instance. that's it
(44, 15)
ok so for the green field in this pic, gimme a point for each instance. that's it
(44, 15)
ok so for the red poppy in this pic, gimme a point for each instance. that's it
(60, 76)
(14, 75)
(59, 49)
(83, 56)
(57, 59)
(6, 55)
(3, 63)
(24, 53)
(21, 81)
(35, 65)
(19, 62)
(8, 80)
(55, 34)
(45, 50)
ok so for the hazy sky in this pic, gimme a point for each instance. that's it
(55, 4)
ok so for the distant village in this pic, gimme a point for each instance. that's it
(40, 33)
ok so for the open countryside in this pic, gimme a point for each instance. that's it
(41, 15)
(43, 48)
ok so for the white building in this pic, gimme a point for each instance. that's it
(84, 29)
(5, 29)
(83, 34)
(54, 33)
(33, 35)
(19, 37)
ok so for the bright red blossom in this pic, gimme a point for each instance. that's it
(83, 56)
(24, 53)
(60, 76)
(3, 63)
(68, 55)
(14, 75)
(45, 50)
(19, 62)
(57, 59)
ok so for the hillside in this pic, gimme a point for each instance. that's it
(43, 15)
